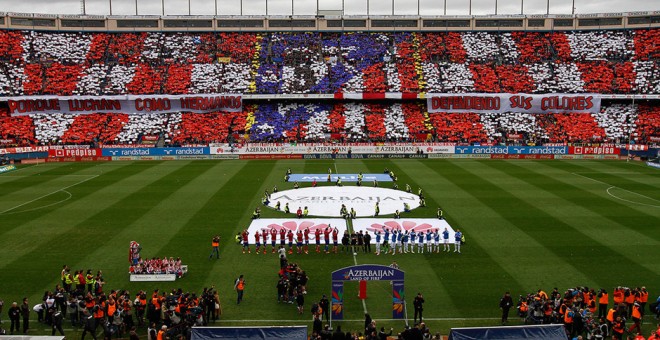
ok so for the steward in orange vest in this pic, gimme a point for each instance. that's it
(603, 300)
(618, 295)
(617, 329)
(637, 318)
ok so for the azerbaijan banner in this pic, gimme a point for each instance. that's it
(130, 104)
(510, 102)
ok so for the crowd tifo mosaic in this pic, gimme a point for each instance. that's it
(289, 63)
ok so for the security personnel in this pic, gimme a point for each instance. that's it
(256, 214)
(440, 214)
(568, 321)
(397, 214)
(637, 318)
(376, 210)
(353, 213)
(360, 177)
(338, 181)
(305, 212)
(277, 206)
(618, 326)
(422, 202)
(239, 286)
(642, 297)
(618, 296)
(89, 280)
(406, 207)
(408, 188)
(395, 186)
(161, 333)
(286, 208)
(68, 281)
(215, 247)
(629, 298)
(603, 300)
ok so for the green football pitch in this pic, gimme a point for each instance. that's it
(528, 225)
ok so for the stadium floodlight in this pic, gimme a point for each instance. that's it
(495, 7)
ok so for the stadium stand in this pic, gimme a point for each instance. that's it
(299, 63)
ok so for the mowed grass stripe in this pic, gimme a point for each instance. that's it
(37, 181)
(594, 196)
(114, 218)
(225, 212)
(632, 171)
(457, 273)
(494, 233)
(439, 267)
(153, 230)
(60, 216)
(647, 184)
(565, 240)
(68, 231)
(573, 202)
(586, 215)
(260, 270)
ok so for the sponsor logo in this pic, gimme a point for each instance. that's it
(368, 275)
(6, 168)
(327, 201)
(152, 277)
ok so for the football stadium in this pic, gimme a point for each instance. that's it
(330, 176)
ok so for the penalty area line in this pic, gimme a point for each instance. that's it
(610, 186)
(48, 194)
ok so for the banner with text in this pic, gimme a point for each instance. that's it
(141, 152)
(321, 148)
(509, 102)
(130, 104)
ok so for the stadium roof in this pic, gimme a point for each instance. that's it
(312, 7)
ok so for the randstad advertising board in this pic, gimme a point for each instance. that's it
(511, 150)
(140, 152)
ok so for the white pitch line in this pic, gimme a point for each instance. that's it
(43, 206)
(46, 195)
(364, 304)
(362, 320)
(632, 202)
(614, 186)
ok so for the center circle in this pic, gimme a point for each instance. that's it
(327, 200)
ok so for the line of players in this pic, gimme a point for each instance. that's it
(393, 241)
(389, 241)
(301, 237)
